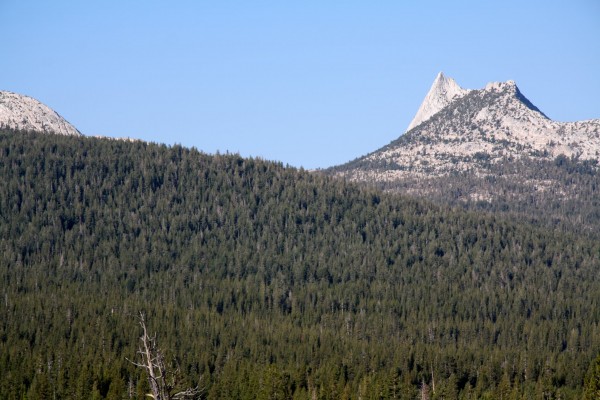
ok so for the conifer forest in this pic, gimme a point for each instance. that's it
(262, 281)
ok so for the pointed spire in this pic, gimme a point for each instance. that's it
(443, 91)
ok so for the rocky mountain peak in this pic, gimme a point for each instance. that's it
(458, 130)
(443, 91)
(25, 113)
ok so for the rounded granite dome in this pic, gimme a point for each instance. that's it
(26, 113)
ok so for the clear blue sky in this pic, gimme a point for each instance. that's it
(308, 83)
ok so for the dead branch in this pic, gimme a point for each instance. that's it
(163, 383)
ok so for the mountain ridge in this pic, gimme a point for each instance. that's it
(477, 128)
(494, 150)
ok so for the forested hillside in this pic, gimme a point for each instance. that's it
(263, 281)
(491, 149)
(563, 193)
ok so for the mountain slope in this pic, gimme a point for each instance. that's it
(27, 114)
(267, 282)
(492, 149)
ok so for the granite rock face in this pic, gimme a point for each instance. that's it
(459, 130)
(25, 113)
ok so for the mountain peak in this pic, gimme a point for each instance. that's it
(26, 113)
(458, 130)
(511, 88)
(499, 86)
(443, 91)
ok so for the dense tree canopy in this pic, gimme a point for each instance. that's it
(263, 281)
(563, 193)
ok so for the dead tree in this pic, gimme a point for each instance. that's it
(163, 382)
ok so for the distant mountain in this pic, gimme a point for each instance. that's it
(459, 130)
(27, 114)
(494, 146)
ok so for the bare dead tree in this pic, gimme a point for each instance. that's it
(163, 383)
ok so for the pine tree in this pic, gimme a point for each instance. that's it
(592, 381)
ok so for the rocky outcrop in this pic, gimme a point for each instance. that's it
(25, 113)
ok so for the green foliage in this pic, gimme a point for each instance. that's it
(263, 281)
(592, 381)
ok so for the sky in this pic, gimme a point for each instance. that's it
(311, 84)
